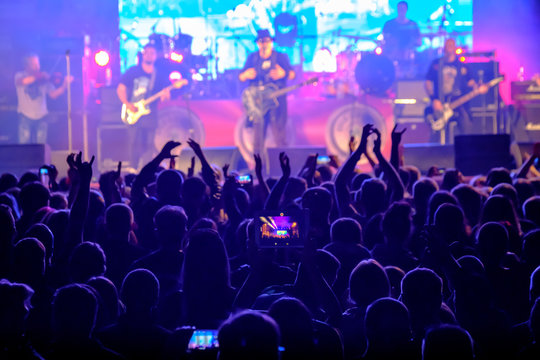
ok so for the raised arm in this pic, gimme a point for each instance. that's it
(77, 215)
(395, 159)
(108, 184)
(272, 203)
(394, 181)
(346, 172)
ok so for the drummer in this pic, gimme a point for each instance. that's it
(401, 35)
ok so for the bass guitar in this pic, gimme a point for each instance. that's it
(131, 117)
(439, 119)
(258, 100)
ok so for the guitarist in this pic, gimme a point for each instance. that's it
(447, 79)
(138, 83)
(265, 67)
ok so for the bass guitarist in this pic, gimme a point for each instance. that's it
(138, 83)
(447, 79)
(263, 68)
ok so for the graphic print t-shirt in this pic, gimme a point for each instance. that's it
(263, 67)
(455, 77)
(137, 82)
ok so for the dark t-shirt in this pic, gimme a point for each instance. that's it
(263, 67)
(400, 36)
(455, 77)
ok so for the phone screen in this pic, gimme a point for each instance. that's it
(203, 339)
(44, 176)
(244, 179)
(281, 229)
(322, 160)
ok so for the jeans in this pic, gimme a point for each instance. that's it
(32, 131)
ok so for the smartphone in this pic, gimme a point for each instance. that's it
(44, 176)
(281, 229)
(244, 179)
(323, 160)
(203, 340)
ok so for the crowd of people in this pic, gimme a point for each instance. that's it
(394, 265)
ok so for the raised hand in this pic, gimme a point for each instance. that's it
(396, 135)
(258, 163)
(366, 131)
(225, 169)
(84, 168)
(377, 142)
(195, 146)
(167, 148)
(285, 164)
(277, 73)
(352, 144)
(191, 169)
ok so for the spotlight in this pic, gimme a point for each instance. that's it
(459, 51)
(378, 50)
(176, 57)
(102, 58)
(175, 76)
(462, 59)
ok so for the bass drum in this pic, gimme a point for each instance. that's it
(179, 124)
(375, 74)
(349, 120)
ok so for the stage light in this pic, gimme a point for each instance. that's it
(459, 51)
(462, 59)
(102, 58)
(175, 76)
(176, 57)
(378, 50)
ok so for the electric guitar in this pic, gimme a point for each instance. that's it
(131, 117)
(258, 100)
(439, 119)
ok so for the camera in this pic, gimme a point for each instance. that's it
(275, 229)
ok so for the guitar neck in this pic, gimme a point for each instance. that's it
(288, 89)
(157, 95)
(462, 100)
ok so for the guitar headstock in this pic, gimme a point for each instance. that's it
(179, 83)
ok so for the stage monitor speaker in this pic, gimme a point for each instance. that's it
(477, 154)
(297, 158)
(18, 159)
(418, 131)
(110, 105)
(424, 156)
(410, 89)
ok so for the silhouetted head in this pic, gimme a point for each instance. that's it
(534, 287)
(33, 197)
(524, 190)
(87, 260)
(325, 173)
(368, 282)
(29, 261)
(499, 208)
(294, 321)
(328, 265)
(470, 201)
(109, 306)
(118, 221)
(140, 291)
(194, 191)
(58, 223)
(387, 325)
(508, 191)
(421, 292)
(7, 224)
(58, 201)
(358, 179)
(249, 335)
(373, 231)
(395, 275)
(492, 240)
(396, 223)
(14, 308)
(450, 222)
(498, 176)
(294, 188)
(471, 265)
(414, 175)
(27, 178)
(171, 226)
(169, 186)
(373, 196)
(45, 236)
(531, 249)
(319, 202)
(451, 178)
(7, 181)
(206, 264)
(346, 230)
(74, 312)
(447, 342)
(204, 223)
(437, 199)
(531, 210)
(10, 201)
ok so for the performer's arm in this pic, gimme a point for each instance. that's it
(54, 93)
(121, 92)
(25, 80)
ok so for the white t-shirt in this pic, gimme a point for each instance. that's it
(32, 98)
